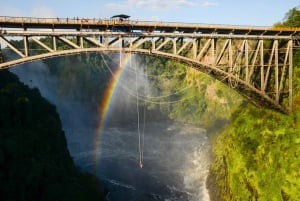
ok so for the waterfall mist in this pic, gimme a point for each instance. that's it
(130, 92)
(177, 156)
(73, 114)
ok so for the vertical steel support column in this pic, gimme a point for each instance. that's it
(195, 47)
(79, 39)
(213, 52)
(153, 44)
(120, 42)
(276, 72)
(247, 61)
(262, 79)
(106, 42)
(81, 42)
(120, 52)
(25, 38)
(230, 60)
(123, 42)
(290, 75)
(54, 43)
(26, 52)
(174, 46)
(130, 44)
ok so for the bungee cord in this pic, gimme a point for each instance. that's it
(141, 162)
(144, 125)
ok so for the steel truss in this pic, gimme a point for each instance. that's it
(256, 63)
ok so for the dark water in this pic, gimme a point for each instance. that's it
(176, 162)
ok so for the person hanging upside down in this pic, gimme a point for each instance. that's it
(141, 164)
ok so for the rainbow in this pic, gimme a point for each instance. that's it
(106, 103)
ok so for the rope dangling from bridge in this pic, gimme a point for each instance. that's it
(141, 135)
(144, 125)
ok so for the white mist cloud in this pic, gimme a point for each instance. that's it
(42, 11)
(157, 5)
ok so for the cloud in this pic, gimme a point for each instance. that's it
(207, 4)
(42, 11)
(157, 5)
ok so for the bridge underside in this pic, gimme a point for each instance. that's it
(260, 67)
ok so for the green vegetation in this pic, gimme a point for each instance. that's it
(189, 95)
(34, 161)
(257, 155)
(291, 19)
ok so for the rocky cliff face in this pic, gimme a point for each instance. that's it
(35, 163)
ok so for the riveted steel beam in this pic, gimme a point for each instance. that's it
(248, 59)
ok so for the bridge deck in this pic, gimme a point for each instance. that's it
(148, 26)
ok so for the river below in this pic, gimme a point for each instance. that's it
(176, 162)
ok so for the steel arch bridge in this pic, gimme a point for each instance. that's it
(255, 61)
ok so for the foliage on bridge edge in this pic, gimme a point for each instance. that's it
(257, 155)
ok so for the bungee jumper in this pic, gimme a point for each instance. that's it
(141, 164)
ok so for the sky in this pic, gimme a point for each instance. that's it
(229, 12)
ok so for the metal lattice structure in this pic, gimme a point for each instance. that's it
(255, 61)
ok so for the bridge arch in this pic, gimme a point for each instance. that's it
(258, 60)
(253, 94)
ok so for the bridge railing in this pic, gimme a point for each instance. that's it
(103, 21)
(74, 20)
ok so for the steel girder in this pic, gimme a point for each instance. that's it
(260, 67)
